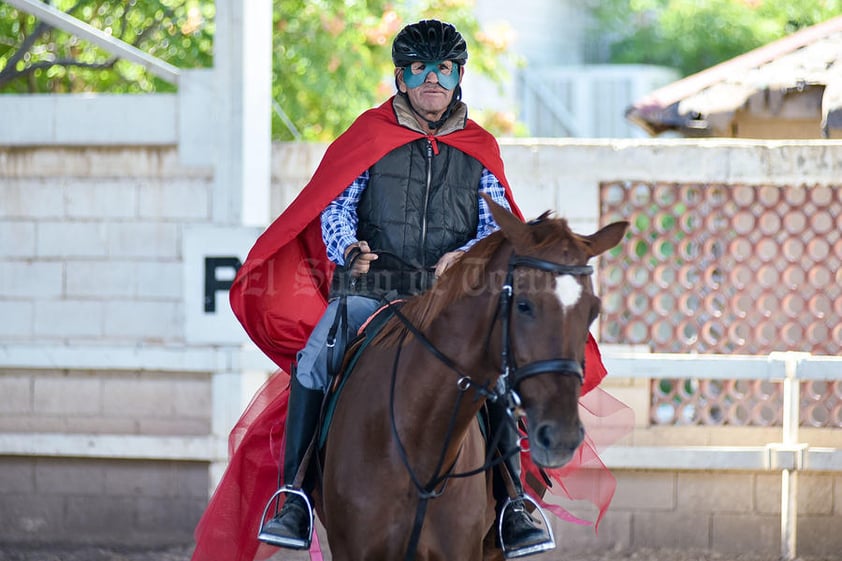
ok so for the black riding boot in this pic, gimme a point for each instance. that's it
(290, 528)
(519, 534)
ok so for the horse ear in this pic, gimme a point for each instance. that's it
(513, 227)
(606, 238)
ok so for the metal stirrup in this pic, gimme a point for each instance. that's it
(531, 549)
(271, 539)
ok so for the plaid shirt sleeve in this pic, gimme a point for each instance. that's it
(339, 220)
(491, 186)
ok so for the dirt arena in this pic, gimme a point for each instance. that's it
(182, 553)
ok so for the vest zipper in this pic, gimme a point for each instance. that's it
(426, 199)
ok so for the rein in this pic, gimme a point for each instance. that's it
(428, 491)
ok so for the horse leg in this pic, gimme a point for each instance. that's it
(464, 514)
(355, 535)
(490, 550)
(456, 529)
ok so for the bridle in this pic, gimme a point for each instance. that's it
(511, 374)
(510, 377)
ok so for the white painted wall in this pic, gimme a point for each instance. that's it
(542, 34)
(546, 32)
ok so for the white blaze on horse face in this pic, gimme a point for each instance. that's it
(568, 290)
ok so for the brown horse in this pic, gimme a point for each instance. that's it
(519, 303)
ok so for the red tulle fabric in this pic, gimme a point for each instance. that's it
(228, 529)
(606, 420)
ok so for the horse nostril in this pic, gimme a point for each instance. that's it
(544, 435)
(551, 436)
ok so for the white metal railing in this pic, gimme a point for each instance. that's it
(235, 372)
(788, 456)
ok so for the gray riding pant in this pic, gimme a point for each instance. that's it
(312, 359)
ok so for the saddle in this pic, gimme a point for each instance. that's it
(355, 347)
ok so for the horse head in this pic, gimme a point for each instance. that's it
(545, 325)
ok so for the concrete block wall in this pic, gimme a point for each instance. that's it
(90, 243)
(728, 512)
(91, 260)
(105, 402)
(91, 257)
(101, 500)
(85, 501)
(564, 174)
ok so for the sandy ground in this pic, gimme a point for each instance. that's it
(182, 553)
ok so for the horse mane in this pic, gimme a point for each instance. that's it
(421, 309)
(469, 272)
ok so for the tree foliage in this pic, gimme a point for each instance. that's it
(331, 58)
(37, 58)
(692, 35)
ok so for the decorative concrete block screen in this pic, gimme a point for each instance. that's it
(726, 269)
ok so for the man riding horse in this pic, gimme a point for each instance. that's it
(396, 200)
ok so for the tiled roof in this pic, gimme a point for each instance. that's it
(808, 58)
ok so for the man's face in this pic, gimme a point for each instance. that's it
(436, 84)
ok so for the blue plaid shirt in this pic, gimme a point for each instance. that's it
(339, 219)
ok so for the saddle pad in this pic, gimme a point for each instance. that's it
(368, 331)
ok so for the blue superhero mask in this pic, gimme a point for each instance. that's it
(447, 80)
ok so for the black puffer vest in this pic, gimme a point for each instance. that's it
(418, 206)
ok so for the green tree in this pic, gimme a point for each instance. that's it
(37, 58)
(331, 58)
(692, 35)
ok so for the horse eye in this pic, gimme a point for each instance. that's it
(524, 307)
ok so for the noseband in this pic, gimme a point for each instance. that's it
(512, 375)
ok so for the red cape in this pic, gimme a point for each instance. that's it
(281, 290)
(279, 294)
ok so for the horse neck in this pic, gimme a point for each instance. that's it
(463, 329)
(461, 333)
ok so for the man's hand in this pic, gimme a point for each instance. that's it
(446, 260)
(363, 261)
